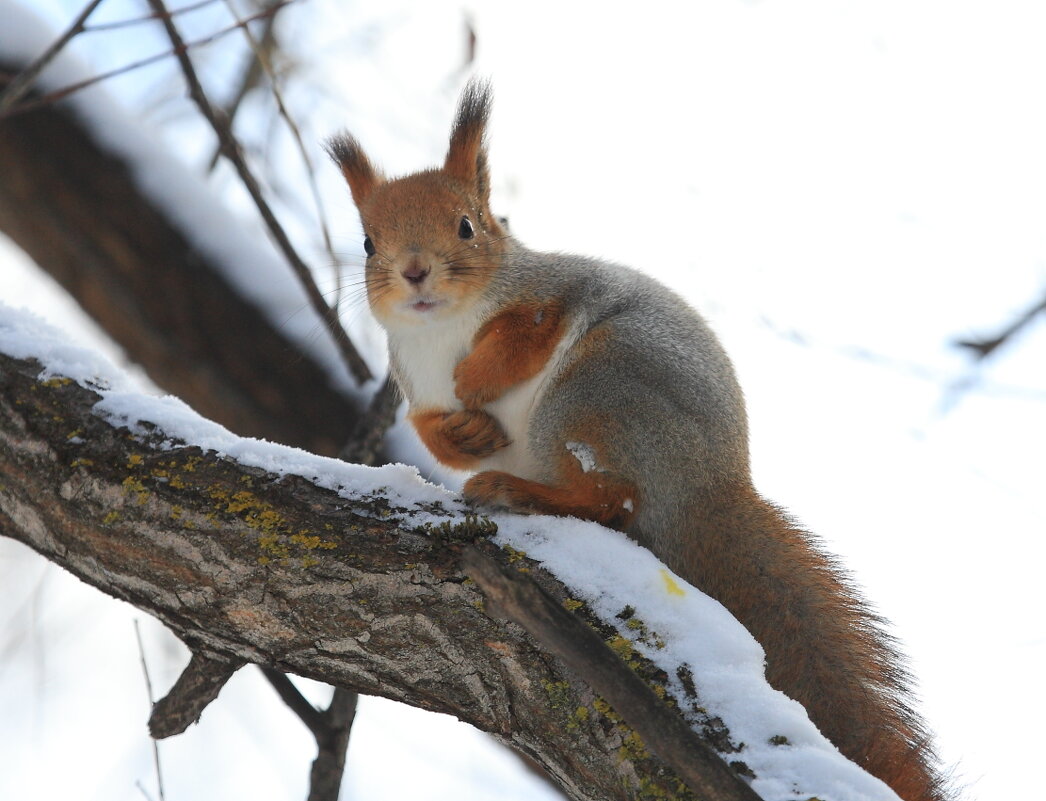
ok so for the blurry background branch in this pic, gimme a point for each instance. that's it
(77, 211)
(982, 348)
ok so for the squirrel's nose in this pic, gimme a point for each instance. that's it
(415, 273)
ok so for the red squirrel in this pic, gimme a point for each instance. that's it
(573, 386)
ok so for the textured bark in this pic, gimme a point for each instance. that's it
(245, 566)
(76, 210)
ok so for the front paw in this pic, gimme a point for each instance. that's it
(473, 385)
(473, 432)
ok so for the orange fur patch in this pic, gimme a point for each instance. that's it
(510, 348)
(598, 496)
(459, 439)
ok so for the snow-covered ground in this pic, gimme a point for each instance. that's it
(841, 188)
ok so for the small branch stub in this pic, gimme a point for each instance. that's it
(199, 684)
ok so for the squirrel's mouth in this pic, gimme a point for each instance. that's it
(424, 305)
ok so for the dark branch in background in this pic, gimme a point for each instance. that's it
(516, 598)
(365, 444)
(127, 23)
(50, 98)
(231, 149)
(79, 212)
(983, 348)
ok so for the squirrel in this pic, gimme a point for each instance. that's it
(574, 386)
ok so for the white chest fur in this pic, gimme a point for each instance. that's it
(425, 357)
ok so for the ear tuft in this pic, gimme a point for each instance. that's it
(467, 155)
(360, 174)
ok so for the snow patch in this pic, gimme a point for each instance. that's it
(584, 454)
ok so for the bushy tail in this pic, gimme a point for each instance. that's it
(824, 648)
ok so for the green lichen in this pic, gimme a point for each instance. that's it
(559, 693)
(134, 486)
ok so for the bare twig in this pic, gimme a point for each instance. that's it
(250, 78)
(60, 94)
(363, 446)
(127, 23)
(662, 730)
(149, 690)
(231, 148)
(261, 58)
(23, 82)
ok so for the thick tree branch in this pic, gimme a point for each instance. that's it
(664, 732)
(77, 211)
(246, 566)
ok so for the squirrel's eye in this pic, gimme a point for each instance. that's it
(465, 229)
(368, 246)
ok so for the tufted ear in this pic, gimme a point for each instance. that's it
(360, 174)
(467, 155)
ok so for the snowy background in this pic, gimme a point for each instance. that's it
(842, 188)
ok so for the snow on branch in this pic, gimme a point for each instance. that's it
(348, 588)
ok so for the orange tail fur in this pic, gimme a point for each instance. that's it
(824, 648)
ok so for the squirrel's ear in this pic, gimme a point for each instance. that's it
(360, 174)
(467, 155)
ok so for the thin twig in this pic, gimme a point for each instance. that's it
(59, 94)
(127, 23)
(249, 80)
(149, 690)
(310, 170)
(233, 152)
(23, 82)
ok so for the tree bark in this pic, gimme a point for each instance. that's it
(77, 211)
(245, 566)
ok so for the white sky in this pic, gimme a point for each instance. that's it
(869, 175)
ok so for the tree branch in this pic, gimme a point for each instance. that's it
(247, 566)
(198, 685)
